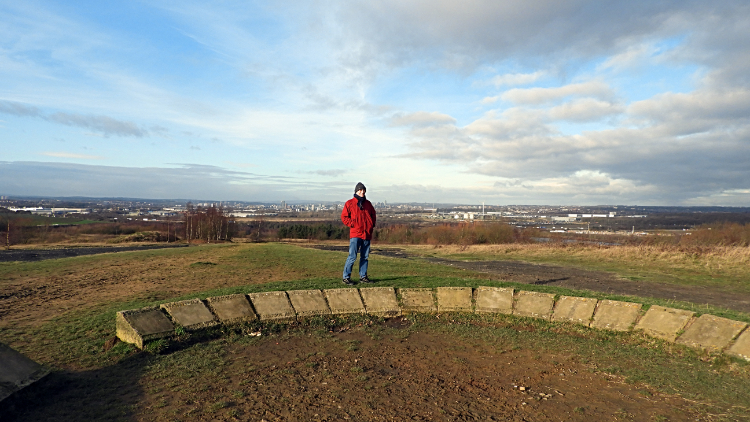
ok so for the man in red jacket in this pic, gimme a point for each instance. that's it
(359, 215)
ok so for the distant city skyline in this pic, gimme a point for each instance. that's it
(513, 102)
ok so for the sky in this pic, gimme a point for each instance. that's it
(503, 102)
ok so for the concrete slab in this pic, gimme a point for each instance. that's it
(417, 300)
(308, 302)
(615, 315)
(497, 300)
(191, 314)
(710, 332)
(741, 347)
(344, 301)
(534, 304)
(454, 299)
(380, 301)
(664, 323)
(574, 309)
(272, 306)
(138, 326)
(17, 371)
(232, 308)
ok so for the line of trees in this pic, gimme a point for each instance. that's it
(208, 224)
(454, 234)
(317, 231)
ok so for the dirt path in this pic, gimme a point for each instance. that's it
(575, 278)
(27, 255)
(599, 281)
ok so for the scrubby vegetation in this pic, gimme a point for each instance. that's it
(314, 231)
(455, 234)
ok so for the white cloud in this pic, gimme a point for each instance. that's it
(422, 118)
(516, 78)
(585, 110)
(301, 87)
(104, 124)
(329, 173)
(631, 57)
(457, 35)
(18, 109)
(533, 96)
(72, 155)
(490, 100)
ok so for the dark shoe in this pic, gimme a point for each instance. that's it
(365, 279)
(349, 282)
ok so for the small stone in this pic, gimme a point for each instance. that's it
(522, 388)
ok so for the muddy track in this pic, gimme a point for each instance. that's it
(580, 279)
(27, 255)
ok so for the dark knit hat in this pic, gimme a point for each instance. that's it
(360, 186)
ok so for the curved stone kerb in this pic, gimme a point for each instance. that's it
(707, 332)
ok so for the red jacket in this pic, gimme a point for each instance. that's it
(361, 221)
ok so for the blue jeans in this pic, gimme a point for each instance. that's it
(361, 246)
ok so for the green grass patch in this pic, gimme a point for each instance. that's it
(76, 339)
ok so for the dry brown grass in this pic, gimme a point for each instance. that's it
(725, 266)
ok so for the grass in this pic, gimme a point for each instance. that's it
(726, 268)
(74, 339)
(718, 384)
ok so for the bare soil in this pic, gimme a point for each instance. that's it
(599, 281)
(351, 374)
(26, 255)
(577, 278)
(420, 376)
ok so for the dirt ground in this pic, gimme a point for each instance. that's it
(427, 377)
(38, 254)
(576, 278)
(598, 281)
(351, 374)
(399, 375)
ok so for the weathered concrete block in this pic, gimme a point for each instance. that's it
(232, 308)
(417, 300)
(741, 348)
(615, 315)
(710, 332)
(308, 302)
(191, 314)
(380, 301)
(345, 301)
(534, 304)
(17, 371)
(272, 306)
(664, 323)
(138, 326)
(574, 309)
(496, 300)
(454, 299)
